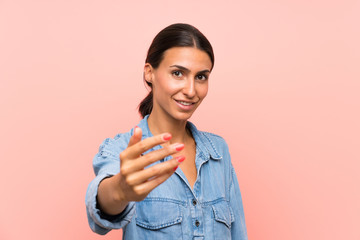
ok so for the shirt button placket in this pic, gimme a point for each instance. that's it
(197, 219)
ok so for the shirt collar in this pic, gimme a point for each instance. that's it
(204, 144)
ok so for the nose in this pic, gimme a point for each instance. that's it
(189, 88)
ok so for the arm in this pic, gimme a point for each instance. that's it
(115, 193)
(106, 164)
(238, 228)
(109, 202)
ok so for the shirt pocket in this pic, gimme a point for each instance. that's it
(223, 217)
(159, 219)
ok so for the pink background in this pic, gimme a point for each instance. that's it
(284, 93)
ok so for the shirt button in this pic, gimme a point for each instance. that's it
(197, 223)
(194, 202)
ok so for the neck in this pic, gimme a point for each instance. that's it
(160, 124)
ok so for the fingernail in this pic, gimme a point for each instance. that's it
(167, 136)
(175, 168)
(180, 158)
(179, 147)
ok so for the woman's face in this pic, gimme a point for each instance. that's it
(180, 82)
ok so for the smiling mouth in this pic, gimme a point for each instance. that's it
(185, 103)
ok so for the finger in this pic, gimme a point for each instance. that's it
(141, 162)
(136, 137)
(154, 171)
(150, 185)
(142, 146)
(155, 156)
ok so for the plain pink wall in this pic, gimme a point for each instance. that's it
(284, 93)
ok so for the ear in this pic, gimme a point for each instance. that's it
(148, 73)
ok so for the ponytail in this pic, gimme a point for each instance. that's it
(146, 105)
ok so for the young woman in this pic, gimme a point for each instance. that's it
(138, 186)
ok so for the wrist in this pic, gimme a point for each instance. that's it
(118, 195)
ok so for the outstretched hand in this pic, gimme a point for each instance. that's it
(135, 180)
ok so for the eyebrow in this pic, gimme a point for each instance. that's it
(187, 70)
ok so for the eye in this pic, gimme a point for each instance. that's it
(202, 77)
(177, 73)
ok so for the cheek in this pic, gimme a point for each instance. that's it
(203, 90)
(168, 84)
(163, 85)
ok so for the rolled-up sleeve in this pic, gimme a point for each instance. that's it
(106, 163)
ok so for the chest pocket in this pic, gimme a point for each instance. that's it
(158, 219)
(223, 217)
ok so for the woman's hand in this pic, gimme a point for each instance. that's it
(134, 182)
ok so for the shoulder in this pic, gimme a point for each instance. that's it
(213, 136)
(113, 146)
(216, 141)
(211, 143)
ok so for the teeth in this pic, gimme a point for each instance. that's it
(185, 103)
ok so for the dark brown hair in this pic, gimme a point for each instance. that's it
(175, 35)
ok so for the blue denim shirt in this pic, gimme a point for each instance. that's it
(213, 209)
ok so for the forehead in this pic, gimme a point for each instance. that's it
(188, 57)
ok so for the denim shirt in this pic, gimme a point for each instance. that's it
(213, 209)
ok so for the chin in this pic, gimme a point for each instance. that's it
(182, 116)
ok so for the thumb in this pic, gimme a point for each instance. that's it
(136, 137)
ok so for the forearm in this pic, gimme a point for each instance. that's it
(108, 197)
